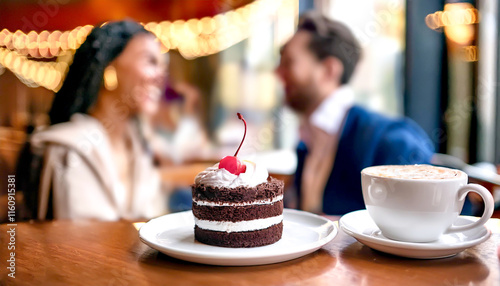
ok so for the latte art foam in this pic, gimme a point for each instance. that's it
(413, 172)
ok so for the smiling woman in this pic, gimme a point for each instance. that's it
(95, 162)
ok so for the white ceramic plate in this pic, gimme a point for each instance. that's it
(360, 225)
(173, 235)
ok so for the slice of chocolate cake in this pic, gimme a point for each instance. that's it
(244, 210)
(235, 205)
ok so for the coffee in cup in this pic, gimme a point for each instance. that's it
(419, 203)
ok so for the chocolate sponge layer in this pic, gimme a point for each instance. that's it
(264, 191)
(242, 194)
(256, 238)
(235, 214)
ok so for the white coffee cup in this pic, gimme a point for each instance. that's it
(419, 203)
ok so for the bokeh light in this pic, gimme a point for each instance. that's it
(20, 52)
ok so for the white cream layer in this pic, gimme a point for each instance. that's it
(213, 176)
(253, 203)
(228, 226)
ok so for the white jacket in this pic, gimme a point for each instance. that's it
(79, 168)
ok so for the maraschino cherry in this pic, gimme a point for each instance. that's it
(232, 164)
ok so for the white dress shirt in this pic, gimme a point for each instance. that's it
(330, 114)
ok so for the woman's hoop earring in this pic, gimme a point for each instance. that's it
(110, 78)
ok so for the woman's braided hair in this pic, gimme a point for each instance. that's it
(85, 76)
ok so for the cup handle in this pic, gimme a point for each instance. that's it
(488, 206)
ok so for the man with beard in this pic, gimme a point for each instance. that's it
(338, 137)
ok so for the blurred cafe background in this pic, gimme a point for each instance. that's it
(434, 61)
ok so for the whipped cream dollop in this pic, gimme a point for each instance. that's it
(213, 176)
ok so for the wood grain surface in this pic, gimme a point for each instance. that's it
(110, 253)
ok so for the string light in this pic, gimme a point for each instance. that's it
(32, 73)
(192, 38)
(457, 21)
(44, 44)
(230, 28)
(464, 16)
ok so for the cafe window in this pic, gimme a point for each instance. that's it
(470, 117)
(379, 25)
(444, 75)
(488, 79)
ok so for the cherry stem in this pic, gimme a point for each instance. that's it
(244, 135)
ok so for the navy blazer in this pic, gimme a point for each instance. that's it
(367, 139)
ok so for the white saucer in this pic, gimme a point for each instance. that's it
(360, 225)
(173, 235)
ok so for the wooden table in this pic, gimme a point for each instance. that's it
(110, 253)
